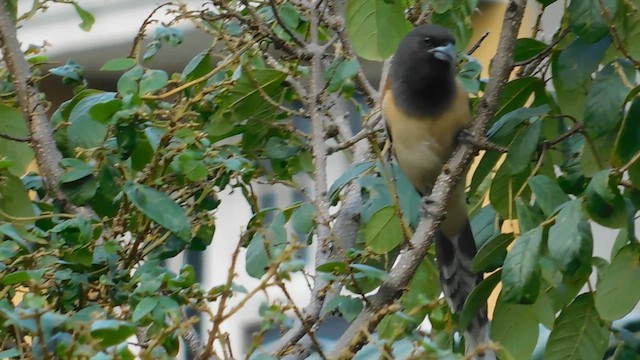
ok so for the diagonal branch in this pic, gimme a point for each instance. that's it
(40, 134)
(411, 256)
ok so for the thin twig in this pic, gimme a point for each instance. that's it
(546, 51)
(361, 135)
(213, 334)
(307, 325)
(478, 43)
(630, 163)
(14, 138)
(137, 42)
(577, 128)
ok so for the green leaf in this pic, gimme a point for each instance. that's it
(266, 246)
(503, 189)
(14, 234)
(515, 327)
(521, 271)
(548, 193)
(144, 307)
(153, 80)
(118, 64)
(75, 231)
(469, 75)
(577, 333)
(347, 177)
(485, 225)
(477, 299)
(10, 353)
(339, 71)
(546, 3)
(128, 82)
(441, 6)
(75, 169)
(247, 101)
(523, 148)
(279, 148)
(102, 112)
(170, 35)
(303, 218)
(529, 216)
(87, 19)
(370, 271)
(509, 122)
(627, 144)
(603, 201)
(383, 232)
(160, 208)
(190, 163)
(21, 276)
(375, 27)
(84, 132)
(606, 98)
(484, 168)
(350, 307)
(81, 191)
(517, 93)
(19, 153)
(424, 285)
(492, 254)
(578, 61)
(458, 20)
(336, 267)
(586, 19)
(543, 307)
(570, 241)
(619, 290)
(111, 332)
(14, 199)
(70, 72)
(197, 67)
(527, 48)
(627, 23)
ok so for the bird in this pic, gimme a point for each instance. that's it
(425, 108)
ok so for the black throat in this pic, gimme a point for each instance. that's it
(425, 92)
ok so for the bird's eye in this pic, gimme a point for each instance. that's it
(428, 41)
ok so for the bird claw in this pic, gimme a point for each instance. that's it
(425, 207)
(465, 136)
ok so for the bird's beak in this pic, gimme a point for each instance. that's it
(445, 53)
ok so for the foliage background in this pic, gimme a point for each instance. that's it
(137, 173)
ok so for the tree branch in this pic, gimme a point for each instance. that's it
(40, 134)
(14, 138)
(324, 250)
(411, 256)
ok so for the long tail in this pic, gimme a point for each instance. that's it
(454, 258)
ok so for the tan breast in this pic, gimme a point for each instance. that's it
(423, 145)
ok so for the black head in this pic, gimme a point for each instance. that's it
(423, 70)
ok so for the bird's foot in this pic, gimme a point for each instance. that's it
(466, 137)
(426, 207)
